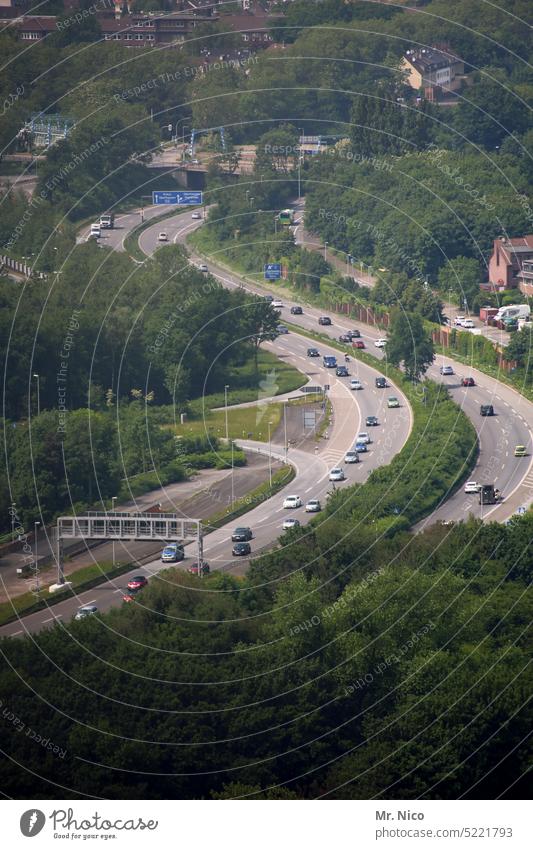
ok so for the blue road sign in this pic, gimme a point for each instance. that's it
(272, 271)
(178, 198)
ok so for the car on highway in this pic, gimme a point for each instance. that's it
(137, 582)
(345, 337)
(363, 436)
(172, 553)
(472, 487)
(372, 421)
(162, 236)
(277, 304)
(312, 352)
(458, 320)
(313, 506)
(282, 329)
(354, 334)
(203, 268)
(486, 410)
(468, 381)
(358, 343)
(520, 451)
(337, 474)
(355, 384)
(468, 323)
(324, 320)
(351, 457)
(241, 535)
(392, 402)
(129, 595)
(446, 370)
(381, 383)
(85, 611)
(268, 298)
(95, 231)
(290, 523)
(292, 501)
(380, 343)
(342, 371)
(329, 361)
(360, 447)
(204, 569)
(196, 216)
(297, 311)
(241, 549)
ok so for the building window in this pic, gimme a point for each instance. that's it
(150, 37)
(30, 36)
(117, 37)
(139, 37)
(128, 37)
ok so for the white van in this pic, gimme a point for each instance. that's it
(513, 311)
(95, 231)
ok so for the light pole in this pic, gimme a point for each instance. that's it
(276, 225)
(326, 251)
(36, 376)
(286, 401)
(300, 158)
(269, 454)
(226, 409)
(113, 499)
(232, 477)
(348, 260)
(13, 512)
(36, 562)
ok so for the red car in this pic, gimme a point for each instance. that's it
(193, 570)
(468, 381)
(358, 343)
(129, 595)
(137, 583)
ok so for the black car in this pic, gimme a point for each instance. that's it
(487, 410)
(297, 311)
(342, 371)
(371, 421)
(345, 337)
(312, 352)
(268, 298)
(241, 548)
(381, 383)
(324, 319)
(241, 535)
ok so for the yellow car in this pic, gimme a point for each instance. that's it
(520, 451)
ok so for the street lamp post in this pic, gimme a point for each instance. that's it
(36, 376)
(226, 409)
(13, 512)
(276, 225)
(326, 251)
(300, 158)
(113, 499)
(36, 560)
(269, 454)
(232, 477)
(286, 401)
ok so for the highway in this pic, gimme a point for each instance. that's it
(511, 425)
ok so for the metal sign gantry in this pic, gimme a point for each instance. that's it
(115, 525)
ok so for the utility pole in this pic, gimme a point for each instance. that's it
(113, 499)
(226, 409)
(285, 426)
(269, 454)
(38, 394)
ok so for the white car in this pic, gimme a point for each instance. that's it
(196, 216)
(290, 523)
(337, 474)
(458, 320)
(363, 437)
(95, 231)
(277, 304)
(203, 267)
(471, 487)
(85, 611)
(380, 343)
(468, 323)
(351, 457)
(356, 384)
(313, 506)
(292, 501)
(162, 237)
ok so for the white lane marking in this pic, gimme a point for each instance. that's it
(16, 633)
(59, 615)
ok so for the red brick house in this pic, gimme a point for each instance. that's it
(510, 264)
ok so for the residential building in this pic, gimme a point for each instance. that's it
(511, 265)
(434, 71)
